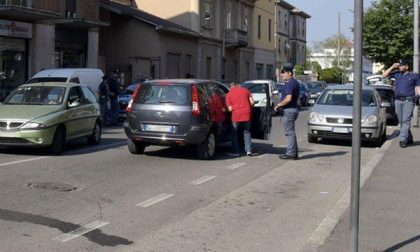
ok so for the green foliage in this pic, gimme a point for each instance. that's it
(388, 31)
(332, 43)
(299, 69)
(332, 75)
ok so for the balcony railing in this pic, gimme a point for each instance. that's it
(41, 5)
(236, 37)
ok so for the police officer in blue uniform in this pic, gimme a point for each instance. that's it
(289, 104)
(405, 86)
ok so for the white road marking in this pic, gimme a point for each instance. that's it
(202, 180)
(235, 166)
(22, 161)
(154, 200)
(80, 231)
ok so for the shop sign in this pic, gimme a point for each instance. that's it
(15, 29)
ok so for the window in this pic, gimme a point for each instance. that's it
(70, 8)
(259, 26)
(269, 72)
(245, 26)
(188, 66)
(228, 15)
(207, 14)
(208, 68)
(269, 30)
(89, 95)
(259, 71)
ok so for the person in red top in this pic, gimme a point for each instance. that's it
(239, 101)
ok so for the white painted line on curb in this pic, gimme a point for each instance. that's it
(80, 231)
(22, 161)
(202, 180)
(235, 166)
(154, 200)
(327, 225)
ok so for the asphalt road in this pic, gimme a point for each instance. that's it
(103, 198)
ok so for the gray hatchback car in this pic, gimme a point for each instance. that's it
(182, 112)
(332, 115)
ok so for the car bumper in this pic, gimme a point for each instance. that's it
(41, 137)
(342, 132)
(196, 135)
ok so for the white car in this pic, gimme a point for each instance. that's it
(258, 93)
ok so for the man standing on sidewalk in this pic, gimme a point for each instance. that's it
(239, 101)
(289, 104)
(406, 84)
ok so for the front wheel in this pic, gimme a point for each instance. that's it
(95, 138)
(207, 148)
(312, 139)
(135, 148)
(57, 145)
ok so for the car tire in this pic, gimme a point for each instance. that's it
(312, 139)
(207, 148)
(57, 145)
(135, 148)
(95, 138)
(381, 139)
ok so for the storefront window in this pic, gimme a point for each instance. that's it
(12, 64)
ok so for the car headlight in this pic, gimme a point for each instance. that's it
(370, 120)
(33, 125)
(315, 117)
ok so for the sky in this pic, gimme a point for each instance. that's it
(324, 17)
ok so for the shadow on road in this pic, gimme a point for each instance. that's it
(95, 236)
(324, 154)
(402, 244)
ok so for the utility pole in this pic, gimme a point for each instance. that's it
(339, 46)
(416, 56)
(356, 133)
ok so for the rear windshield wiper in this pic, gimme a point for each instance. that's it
(165, 101)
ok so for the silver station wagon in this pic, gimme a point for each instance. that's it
(332, 115)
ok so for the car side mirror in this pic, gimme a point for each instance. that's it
(385, 104)
(73, 104)
(275, 92)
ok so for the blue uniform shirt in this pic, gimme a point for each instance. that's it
(405, 84)
(291, 87)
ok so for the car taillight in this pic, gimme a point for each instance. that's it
(133, 97)
(195, 101)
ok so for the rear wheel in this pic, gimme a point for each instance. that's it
(95, 138)
(57, 145)
(135, 148)
(312, 139)
(207, 148)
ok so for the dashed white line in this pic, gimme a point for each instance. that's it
(202, 180)
(235, 166)
(80, 231)
(154, 200)
(22, 161)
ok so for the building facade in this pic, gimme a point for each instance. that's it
(264, 39)
(46, 34)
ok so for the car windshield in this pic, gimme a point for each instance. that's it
(344, 97)
(255, 88)
(36, 95)
(154, 93)
(47, 79)
(313, 86)
(129, 90)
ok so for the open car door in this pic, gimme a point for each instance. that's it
(261, 112)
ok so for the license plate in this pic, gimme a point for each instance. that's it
(158, 128)
(341, 130)
(7, 134)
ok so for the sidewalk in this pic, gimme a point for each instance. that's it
(389, 206)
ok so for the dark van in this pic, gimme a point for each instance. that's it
(181, 112)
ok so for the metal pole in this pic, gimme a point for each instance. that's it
(357, 92)
(416, 56)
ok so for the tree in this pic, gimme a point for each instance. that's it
(388, 31)
(332, 75)
(299, 69)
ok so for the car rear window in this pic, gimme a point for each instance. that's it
(155, 93)
(344, 97)
(386, 94)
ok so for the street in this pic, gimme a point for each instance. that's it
(103, 198)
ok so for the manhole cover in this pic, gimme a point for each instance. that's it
(61, 187)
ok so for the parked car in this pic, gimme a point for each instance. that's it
(332, 115)
(388, 95)
(91, 77)
(379, 79)
(273, 92)
(303, 94)
(184, 112)
(48, 115)
(123, 99)
(315, 89)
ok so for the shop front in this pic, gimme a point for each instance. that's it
(13, 55)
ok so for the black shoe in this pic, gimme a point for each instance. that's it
(403, 144)
(284, 156)
(410, 142)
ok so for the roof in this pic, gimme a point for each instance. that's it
(159, 23)
(180, 81)
(52, 84)
(285, 5)
(349, 86)
(64, 72)
(301, 13)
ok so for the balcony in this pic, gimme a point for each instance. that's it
(236, 38)
(29, 10)
(87, 14)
